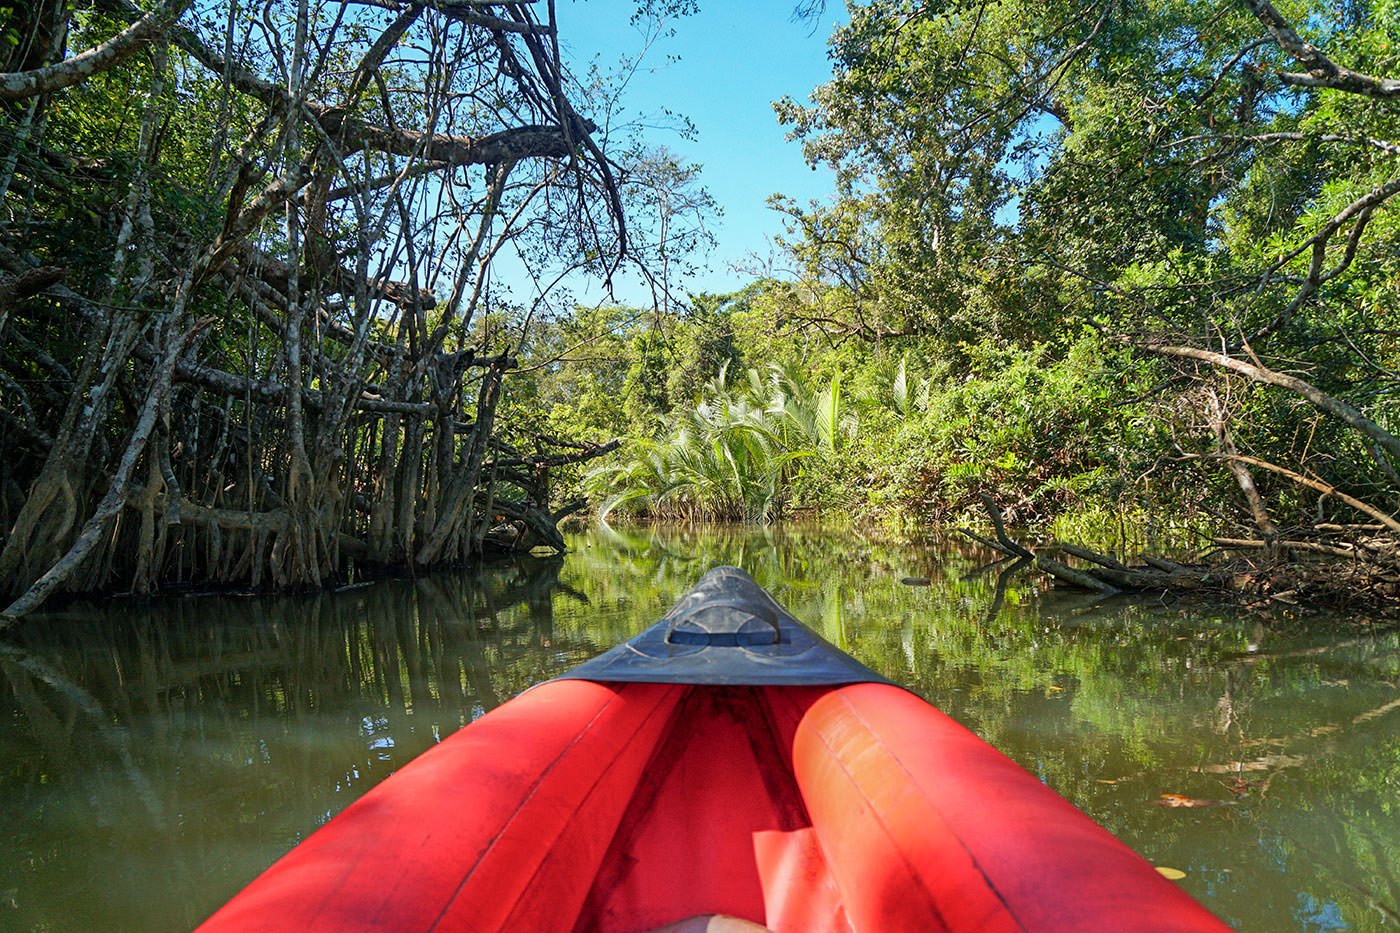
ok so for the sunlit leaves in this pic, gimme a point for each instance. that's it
(733, 454)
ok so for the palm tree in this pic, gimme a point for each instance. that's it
(731, 456)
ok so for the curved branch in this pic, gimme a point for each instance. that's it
(514, 143)
(1325, 488)
(1320, 400)
(18, 85)
(1321, 70)
(510, 145)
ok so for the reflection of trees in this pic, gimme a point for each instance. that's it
(27, 675)
(240, 723)
(1335, 844)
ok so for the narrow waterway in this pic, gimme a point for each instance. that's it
(154, 759)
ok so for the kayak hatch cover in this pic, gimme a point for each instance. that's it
(726, 631)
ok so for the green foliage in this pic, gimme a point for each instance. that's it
(1035, 427)
(1025, 190)
(1011, 171)
(734, 454)
(870, 431)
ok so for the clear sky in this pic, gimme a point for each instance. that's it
(723, 68)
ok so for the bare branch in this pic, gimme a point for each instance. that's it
(22, 84)
(514, 143)
(1312, 483)
(1319, 399)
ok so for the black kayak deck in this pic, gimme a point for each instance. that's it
(727, 631)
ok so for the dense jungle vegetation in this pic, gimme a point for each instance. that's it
(246, 257)
(1125, 256)
(1090, 258)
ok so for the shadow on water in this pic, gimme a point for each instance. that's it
(155, 758)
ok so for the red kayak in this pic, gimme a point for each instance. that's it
(725, 769)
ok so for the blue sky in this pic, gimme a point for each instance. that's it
(722, 68)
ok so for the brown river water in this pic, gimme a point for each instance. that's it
(154, 758)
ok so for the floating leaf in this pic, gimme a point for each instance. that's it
(1181, 800)
(1243, 787)
(1175, 874)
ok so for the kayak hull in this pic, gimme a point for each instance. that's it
(607, 806)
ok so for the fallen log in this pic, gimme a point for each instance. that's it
(1051, 566)
(1326, 570)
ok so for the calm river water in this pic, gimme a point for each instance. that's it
(153, 760)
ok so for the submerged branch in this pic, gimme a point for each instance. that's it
(1328, 571)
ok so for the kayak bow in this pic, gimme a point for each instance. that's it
(726, 761)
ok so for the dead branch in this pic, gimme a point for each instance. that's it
(1312, 483)
(1004, 540)
(1053, 567)
(1224, 441)
(1314, 547)
(1321, 400)
(1093, 557)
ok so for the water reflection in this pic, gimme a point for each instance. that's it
(155, 759)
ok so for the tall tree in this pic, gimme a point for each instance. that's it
(244, 254)
(1213, 183)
